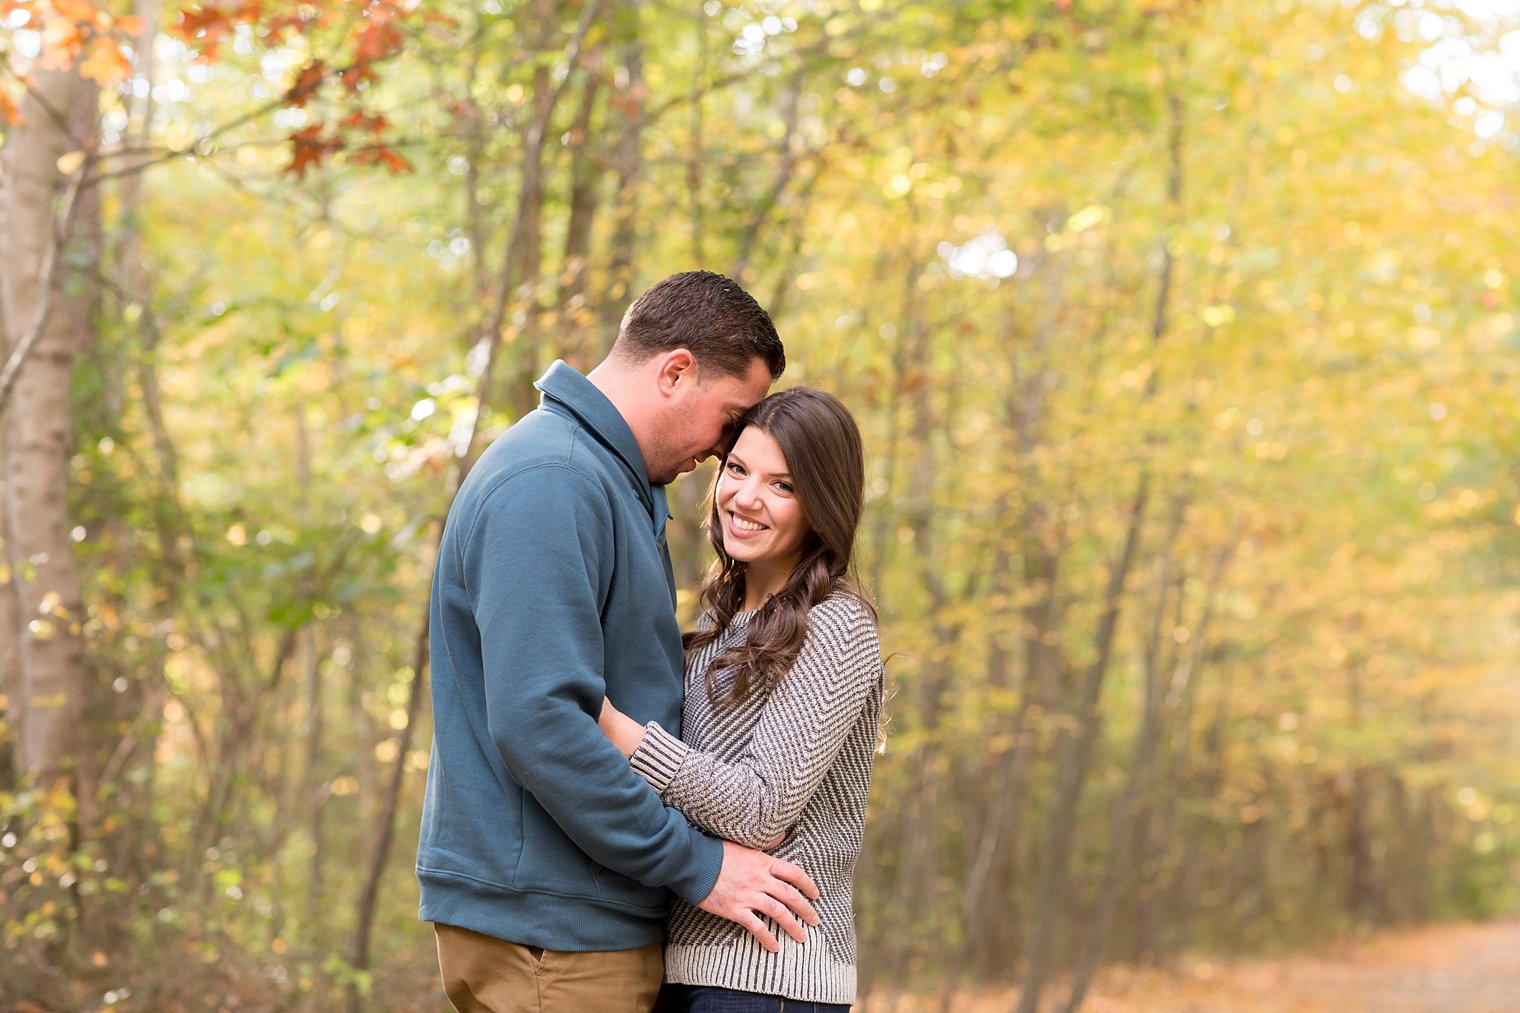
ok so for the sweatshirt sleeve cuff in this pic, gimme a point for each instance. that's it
(701, 874)
(658, 757)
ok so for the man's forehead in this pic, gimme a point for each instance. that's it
(742, 393)
(743, 401)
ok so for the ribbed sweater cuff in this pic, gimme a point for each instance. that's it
(658, 757)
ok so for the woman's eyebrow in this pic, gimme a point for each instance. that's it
(736, 459)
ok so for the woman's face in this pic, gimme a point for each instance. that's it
(757, 504)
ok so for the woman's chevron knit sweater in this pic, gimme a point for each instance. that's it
(796, 761)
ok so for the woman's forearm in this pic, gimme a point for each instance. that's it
(624, 732)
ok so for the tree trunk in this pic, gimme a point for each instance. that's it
(991, 911)
(786, 166)
(48, 323)
(630, 99)
(578, 338)
(1137, 781)
(696, 152)
(1055, 853)
(517, 296)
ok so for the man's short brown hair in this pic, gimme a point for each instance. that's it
(707, 314)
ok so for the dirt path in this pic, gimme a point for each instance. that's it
(1447, 969)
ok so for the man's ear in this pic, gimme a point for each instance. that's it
(677, 370)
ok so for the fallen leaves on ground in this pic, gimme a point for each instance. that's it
(1440, 969)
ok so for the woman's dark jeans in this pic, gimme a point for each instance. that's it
(704, 999)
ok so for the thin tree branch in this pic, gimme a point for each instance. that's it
(24, 346)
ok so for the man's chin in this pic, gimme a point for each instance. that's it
(670, 475)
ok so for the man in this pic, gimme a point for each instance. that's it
(545, 862)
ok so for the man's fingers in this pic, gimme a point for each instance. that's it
(757, 929)
(795, 901)
(791, 925)
(777, 912)
(783, 869)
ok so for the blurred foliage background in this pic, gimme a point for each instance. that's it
(1183, 334)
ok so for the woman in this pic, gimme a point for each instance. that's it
(783, 698)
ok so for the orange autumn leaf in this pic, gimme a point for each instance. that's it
(356, 76)
(360, 120)
(307, 82)
(204, 29)
(106, 63)
(379, 154)
(309, 147)
(395, 162)
(378, 40)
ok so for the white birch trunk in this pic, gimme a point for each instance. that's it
(49, 682)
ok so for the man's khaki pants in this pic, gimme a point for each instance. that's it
(482, 974)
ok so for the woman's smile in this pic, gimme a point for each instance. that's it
(744, 526)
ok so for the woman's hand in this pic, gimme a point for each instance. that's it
(624, 732)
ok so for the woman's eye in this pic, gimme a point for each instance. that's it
(785, 487)
(734, 469)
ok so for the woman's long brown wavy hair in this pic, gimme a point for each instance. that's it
(822, 446)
